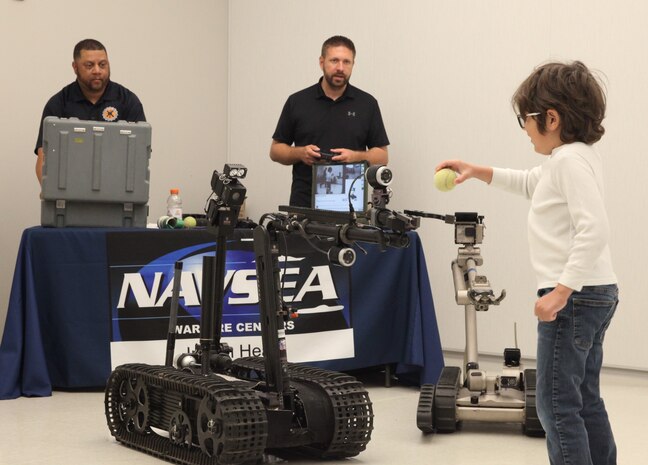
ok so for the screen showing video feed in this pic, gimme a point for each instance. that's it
(335, 186)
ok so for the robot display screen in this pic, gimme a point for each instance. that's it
(338, 185)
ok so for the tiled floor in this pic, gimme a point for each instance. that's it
(70, 429)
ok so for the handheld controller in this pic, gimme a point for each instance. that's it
(327, 156)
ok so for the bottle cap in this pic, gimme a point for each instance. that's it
(175, 191)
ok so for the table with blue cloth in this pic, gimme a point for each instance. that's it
(57, 331)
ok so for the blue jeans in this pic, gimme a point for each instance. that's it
(570, 354)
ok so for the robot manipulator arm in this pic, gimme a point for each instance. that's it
(469, 231)
(473, 289)
(483, 297)
(382, 226)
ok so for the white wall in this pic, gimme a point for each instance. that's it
(444, 72)
(172, 53)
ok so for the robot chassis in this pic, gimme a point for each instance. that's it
(508, 397)
(212, 410)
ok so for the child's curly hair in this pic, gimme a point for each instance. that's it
(570, 89)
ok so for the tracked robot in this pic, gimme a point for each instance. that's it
(475, 395)
(203, 408)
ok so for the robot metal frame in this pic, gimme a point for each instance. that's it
(211, 410)
(508, 397)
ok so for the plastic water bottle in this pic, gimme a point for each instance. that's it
(174, 204)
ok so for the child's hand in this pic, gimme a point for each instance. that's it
(467, 170)
(548, 306)
(461, 167)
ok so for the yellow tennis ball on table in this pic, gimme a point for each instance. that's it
(444, 179)
(190, 222)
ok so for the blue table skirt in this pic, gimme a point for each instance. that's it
(57, 332)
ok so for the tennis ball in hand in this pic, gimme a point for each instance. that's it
(444, 179)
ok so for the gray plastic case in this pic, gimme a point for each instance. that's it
(95, 173)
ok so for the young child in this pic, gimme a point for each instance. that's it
(561, 107)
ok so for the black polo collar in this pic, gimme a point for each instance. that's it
(110, 93)
(349, 92)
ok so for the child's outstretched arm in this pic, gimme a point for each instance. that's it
(467, 170)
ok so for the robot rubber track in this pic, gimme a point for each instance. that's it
(211, 420)
(351, 417)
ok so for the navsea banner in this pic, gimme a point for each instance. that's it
(141, 267)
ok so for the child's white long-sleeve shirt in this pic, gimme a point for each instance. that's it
(568, 229)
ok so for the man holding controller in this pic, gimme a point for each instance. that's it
(329, 121)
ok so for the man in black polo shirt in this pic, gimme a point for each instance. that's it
(93, 96)
(331, 116)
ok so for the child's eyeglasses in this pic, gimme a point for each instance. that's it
(522, 119)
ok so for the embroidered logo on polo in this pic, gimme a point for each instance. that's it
(110, 114)
(351, 114)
